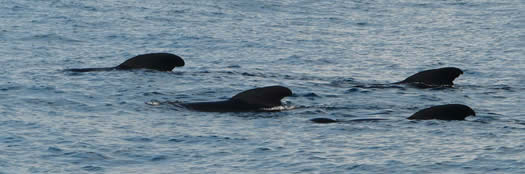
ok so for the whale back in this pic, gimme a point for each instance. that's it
(444, 112)
(265, 97)
(435, 77)
(155, 61)
(90, 69)
(220, 106)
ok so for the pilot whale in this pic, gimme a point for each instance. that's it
(153, 61)
(444, 112)
(433, 78)
(257, 99)
(440, 112)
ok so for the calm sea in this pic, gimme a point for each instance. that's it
(331, 54)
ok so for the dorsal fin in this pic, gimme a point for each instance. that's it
(155, 61)
(269, 96)
(435, 77)
(444, 112)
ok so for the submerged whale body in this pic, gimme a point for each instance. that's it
(257, 99)
(444, 112)
(324, 120)
(440, 112)
(433, 77)
(329, 120)
(153, 61)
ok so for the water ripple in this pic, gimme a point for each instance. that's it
(338, 58)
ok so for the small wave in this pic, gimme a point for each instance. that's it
(91, 156)
(279, 108)
(159, 158)
(362, 23)
(343, 82)
(152, 93)
(269, 75)
(190, 139)
(54, 149)
(310, 95)
(502, 87)
(154, 103)
(11, 139)
(139, 139)
(51, 37)
(92, 168)
(9, 87)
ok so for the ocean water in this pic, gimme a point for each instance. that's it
(331, 54)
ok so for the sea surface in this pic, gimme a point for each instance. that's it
(337, 57)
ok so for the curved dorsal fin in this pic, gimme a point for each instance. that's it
(444, 112)
(433, 77)
(155, 61)
(269, 96)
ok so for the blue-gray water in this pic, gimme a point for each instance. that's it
(330, 53)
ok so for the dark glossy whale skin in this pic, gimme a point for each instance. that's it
(444, 112)
(153, 61)
(91, 69)
(257, 99)
(433, 77)
(440, 112)
(324, 120)
(329, 120)
(223, 106)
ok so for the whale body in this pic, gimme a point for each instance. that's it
(444, 112)
(257, 99)
(433, 77)
(440, 112)
(153, 61)
(329, 120)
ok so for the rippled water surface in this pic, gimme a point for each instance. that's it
(331, 54)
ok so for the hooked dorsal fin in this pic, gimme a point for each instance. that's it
(269, 96)
(444, 112)
(435, 77)
(155, 61)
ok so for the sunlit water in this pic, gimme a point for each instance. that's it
(331, 54)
